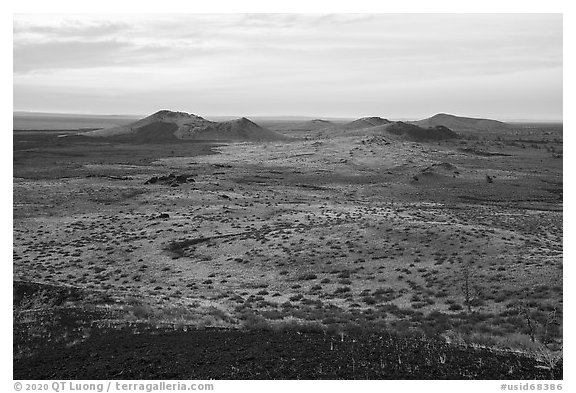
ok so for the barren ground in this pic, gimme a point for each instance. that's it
(349, 234)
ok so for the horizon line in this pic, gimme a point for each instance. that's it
(295, 117)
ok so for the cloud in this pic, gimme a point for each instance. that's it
(69, 54)
(294, 55)
(69, 30)
(428, 40)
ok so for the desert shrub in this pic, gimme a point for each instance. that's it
(170, 313)
(383, 291)
(254, 322)
(310, 302)
(219, 314)
(402, 325)
(477, 302)
(385, 294)
(272, 314)
(352, 328)
(309, 276)
(390, 308)
(330, 320)
(141, 311)
(342, 290)
(299, 326)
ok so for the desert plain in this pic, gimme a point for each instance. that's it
(332, 235)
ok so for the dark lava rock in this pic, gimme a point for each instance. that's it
(261, 354)
(171, 180)
(419, 134)
(160, 216)
(181, 178)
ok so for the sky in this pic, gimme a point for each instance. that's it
(398, 66)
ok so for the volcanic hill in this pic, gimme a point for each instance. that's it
(316, 124)
(167, 125)
(459, 123)
(415, 133)
(360, 127)
(366, 122)
(377, 126)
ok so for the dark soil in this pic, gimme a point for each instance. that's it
(232, 354)
(48, 155)
(69, 341)
(245, 233)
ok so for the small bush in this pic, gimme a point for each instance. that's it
(342, 290)
(254, 322)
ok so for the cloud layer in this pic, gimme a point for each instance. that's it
(395, 65)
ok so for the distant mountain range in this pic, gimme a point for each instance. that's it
(167, 125)
(171, 125)
(297, 125)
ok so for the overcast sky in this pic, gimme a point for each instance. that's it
(503, 66)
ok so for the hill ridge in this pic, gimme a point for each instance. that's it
(462, 123)
(169, 125)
